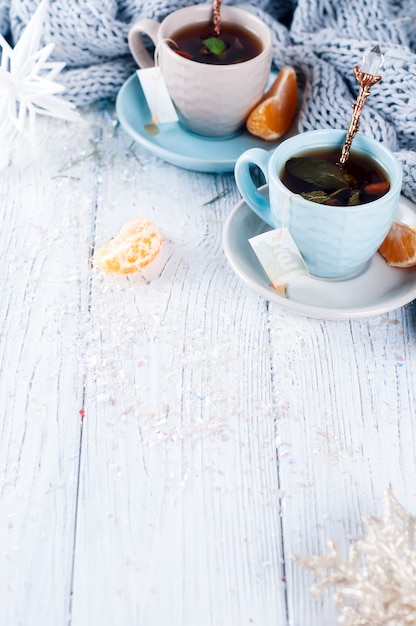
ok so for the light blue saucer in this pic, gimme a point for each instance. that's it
(378, 289)
(174, 143)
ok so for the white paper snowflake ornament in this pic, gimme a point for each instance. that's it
(27, 86)
(376, 585)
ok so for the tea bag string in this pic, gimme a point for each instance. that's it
(284, 210)
(157, 49)
(155, 120)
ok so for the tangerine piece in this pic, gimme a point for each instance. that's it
(272, 116)
(137, 244)
(399, 247)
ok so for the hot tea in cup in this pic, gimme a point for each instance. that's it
(317, 176)
(338, 232)
(213, 95)
(198, 43)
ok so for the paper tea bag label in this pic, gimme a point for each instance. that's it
(157, 95)
(279, 256)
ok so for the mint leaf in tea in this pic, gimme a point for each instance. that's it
(199, 43)
(317, 177)
(215, 45)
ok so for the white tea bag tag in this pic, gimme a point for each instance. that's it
(279, 256)
(157, 95)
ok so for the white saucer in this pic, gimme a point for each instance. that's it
(178, 146)
(377, 289)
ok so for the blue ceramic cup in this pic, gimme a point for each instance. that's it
(335, 241)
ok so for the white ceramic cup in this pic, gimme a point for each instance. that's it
(211, 100)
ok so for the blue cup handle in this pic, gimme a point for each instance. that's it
(256, 201)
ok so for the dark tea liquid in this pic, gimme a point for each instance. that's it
(240, 44)
(365, 178)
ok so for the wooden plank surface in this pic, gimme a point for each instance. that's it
(170, 439)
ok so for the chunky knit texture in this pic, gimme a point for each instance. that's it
(321, 39)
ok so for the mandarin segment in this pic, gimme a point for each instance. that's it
(272, 117)
(399, 247)
(137, 244)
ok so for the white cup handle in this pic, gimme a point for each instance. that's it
(136, 44)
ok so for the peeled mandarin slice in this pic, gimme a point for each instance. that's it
(399, 247)
(272, 117)
(137, 244)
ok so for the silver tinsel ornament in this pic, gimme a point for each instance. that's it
(376, 585)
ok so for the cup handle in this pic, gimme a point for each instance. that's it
(256, 201)
(135, 40)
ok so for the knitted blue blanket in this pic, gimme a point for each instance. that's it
(321, 39)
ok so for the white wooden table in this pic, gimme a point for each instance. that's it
(170, 439)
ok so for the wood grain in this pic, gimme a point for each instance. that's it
(169, 440)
